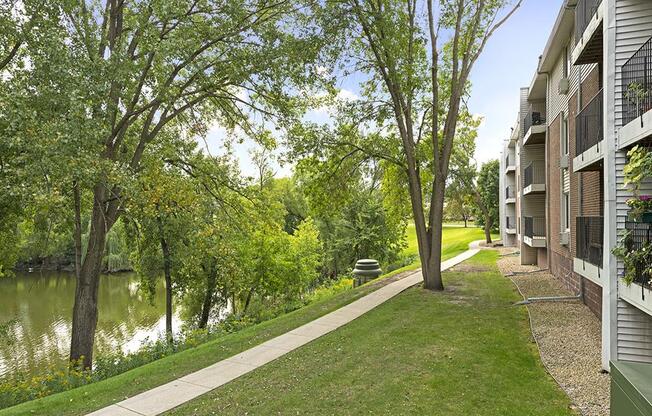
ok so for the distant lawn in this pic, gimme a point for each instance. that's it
(94, 396)
(467, 351)
(456, 239)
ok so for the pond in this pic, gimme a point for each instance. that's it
(41, 304)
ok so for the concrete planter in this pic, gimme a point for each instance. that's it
(366, 270)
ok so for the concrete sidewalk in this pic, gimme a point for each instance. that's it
(175, 393)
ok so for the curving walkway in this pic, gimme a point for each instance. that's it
(170, 395)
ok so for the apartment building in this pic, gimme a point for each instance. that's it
(565, 158)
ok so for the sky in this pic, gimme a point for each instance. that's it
(507, 64)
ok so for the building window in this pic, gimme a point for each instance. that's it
(565, 212)
(564, 134)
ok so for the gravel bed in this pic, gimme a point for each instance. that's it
(568, 335)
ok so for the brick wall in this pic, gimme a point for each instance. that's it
(593, 297)
(574, 177)
(586, 199)
(591, 188)
(562, 268)
(554, 188)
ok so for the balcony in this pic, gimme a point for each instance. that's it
(637, 97)
(589, 248)
(588, 32)
(515, 135)
(639, 293)
(534, 178)
(509, 164)
(510, 225)
(534, 128)
(510, 195)
(534, 231)
(589, 133)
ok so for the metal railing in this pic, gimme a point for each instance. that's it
(509, 192)
(636, 77)
(584, 12)
(589, 239)
(639, 235)
(534, 173)
(534, 226)
(533, 118)
(510, 223)
(588, 125)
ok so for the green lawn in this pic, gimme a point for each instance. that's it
(456, 239)
(467, 351)
(94, 396)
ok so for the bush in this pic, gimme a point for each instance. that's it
(24, 389)
(326, 291)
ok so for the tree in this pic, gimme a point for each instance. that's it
(418, 68)
(357, 204)
(111, 77)
(459, 204)
(162, 217)
(18, 182)
(461, 190)
(486, 193)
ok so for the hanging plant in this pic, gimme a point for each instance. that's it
(640, 208)
(637, 169)
(636, 258)
(636, 94)
(637, 262)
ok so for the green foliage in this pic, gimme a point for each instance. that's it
(634, 261)
(225, 339)
(19, 390)
(117, 256)
(638, 167)
(488, 184)
(328, 290)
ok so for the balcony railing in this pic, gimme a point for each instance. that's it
(588, 244)
(509, 192)
(534, 226)
(510, 223)
(588, 125)
(637, 83)
(534, 173)
(639, 235)
(533, 118)
(584, 12)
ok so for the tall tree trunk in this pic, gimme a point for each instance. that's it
(465, 220)
(84, 314)
(487, 229)
(248, 301)
(211, 279)
(167, 271)
(487, 217)
(433, 279)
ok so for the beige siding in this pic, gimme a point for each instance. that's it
(633, 29)
(558, 102)
(634, 334)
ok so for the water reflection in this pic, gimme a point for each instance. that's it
(42, 305)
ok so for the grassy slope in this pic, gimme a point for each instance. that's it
(93, 396)
(455, 239)
(464, 352)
